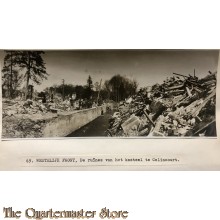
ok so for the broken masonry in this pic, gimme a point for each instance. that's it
(180, 106)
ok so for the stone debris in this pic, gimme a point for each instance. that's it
(13, 107)
(26, 119)
(180, 106)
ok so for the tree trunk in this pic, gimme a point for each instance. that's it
(99, 91)
(27, 83)
(10, 79)
(28, 76)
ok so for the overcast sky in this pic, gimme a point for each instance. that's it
(146, 66)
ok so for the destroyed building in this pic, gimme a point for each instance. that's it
(180, 106)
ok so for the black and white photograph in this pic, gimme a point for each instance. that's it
(109, 110)
(109, 93)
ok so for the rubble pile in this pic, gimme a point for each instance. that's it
(180, 106)
(13, 107)
(26, 118)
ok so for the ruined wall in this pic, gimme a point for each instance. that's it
(67, 123)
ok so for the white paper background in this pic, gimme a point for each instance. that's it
(112, 24)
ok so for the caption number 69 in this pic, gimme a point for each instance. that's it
(29, 160)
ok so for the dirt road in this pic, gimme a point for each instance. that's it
(95, 128)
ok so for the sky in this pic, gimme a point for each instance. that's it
(147, 67)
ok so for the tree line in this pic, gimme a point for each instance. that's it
(22, 66)
(118, 88)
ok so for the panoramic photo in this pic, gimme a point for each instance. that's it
(109, 93)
